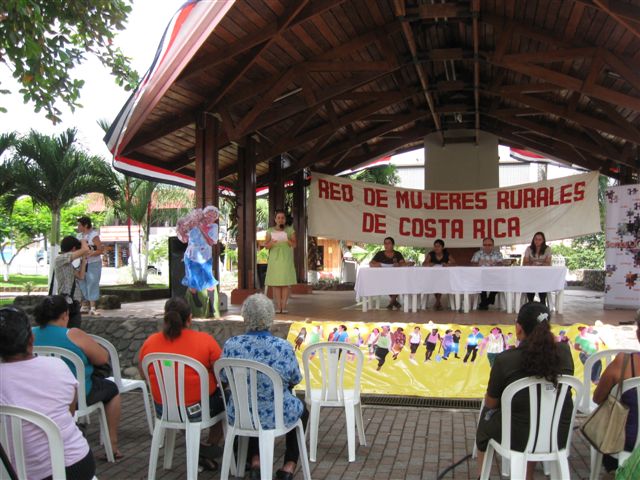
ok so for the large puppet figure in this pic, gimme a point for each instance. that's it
(200, 231)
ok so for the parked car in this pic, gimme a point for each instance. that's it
(152, 269)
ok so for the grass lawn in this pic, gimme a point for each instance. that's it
(150, 286)
(20, 280)
(6, 301)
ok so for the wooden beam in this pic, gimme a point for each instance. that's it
(289, 143)
(399, 8)
(572, 83)
(630, 134)
(606, 7)
(475, 10)
(283, 25)
(362, 137)
(246, 215)
(628, 72)
(210, 60)
(548, 56)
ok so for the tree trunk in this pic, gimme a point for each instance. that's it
(54, 240)
(7, 267)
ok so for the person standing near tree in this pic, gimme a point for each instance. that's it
(90, 284)
(281, 272)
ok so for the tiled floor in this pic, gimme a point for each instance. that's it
(402, 443)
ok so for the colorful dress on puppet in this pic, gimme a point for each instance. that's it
(198, 267)
(280, 268)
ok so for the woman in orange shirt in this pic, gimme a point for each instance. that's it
(177, 337)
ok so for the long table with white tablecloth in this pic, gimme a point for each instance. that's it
(460, 281)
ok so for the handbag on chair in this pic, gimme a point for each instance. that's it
(604, 429)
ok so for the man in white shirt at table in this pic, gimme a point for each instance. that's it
(488, 256)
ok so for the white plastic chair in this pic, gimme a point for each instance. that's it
(126, 384)
(169, 370)
(333, 358)
(83, 409)
(11, 419)
(586, 405)
(242, 378)
(596, 456)
(545, 407)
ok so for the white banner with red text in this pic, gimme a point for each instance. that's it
(622, 248)
(347, 209)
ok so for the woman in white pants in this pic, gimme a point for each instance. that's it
(90, 286)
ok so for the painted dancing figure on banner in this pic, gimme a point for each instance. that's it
(200, 231)
(431, 342)
(414, 342)
(473, 340)
(300, 338)
(372, 339)
(382, 345)
(399, 341)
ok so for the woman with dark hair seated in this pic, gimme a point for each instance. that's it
(260, 345)
(177, 337)
(52, 316)
(537, 355)
(438, 256)
(46, 385)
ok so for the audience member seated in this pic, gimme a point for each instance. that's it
(487, 256)
(52, 316)
(438, 256)
(389, 258)
(46, 385)
(608, 380)
(260, 345)
(537, 355)
(538, 254)
(177, 337)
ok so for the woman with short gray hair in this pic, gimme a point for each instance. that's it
(260, 345)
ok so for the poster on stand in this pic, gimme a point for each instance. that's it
(622, 248)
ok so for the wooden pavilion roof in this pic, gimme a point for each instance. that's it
(332, 84)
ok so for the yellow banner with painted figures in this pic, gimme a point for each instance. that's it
(434, 359)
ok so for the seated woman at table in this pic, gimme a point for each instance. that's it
(438, 256)
(260, 345)
(52, 317)
(538, 355)
(389, 258)
(610, 379)
(537, 254)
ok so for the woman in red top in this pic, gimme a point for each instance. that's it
(177, 337)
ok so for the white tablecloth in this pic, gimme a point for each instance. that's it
(414, 280)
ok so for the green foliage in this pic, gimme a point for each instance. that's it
(42, 40)
(262, 256)
(368, 250)
(28, 287)
(262, 214)
(21, 280)
(584, 252)
(53, 171)
(383, 174)
(159, 251)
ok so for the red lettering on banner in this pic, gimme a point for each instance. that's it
(578, 191)
(565, 194)
(401, 229)
(481, 200)
(552, 199)
(408, 199)
(376, 196)
(543, 197)
(529, 200)
(496, 227)
(457, 228)
(373, 222)
(335, 191)
(503, 203)
(455, 201)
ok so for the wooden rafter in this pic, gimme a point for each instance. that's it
(238, 73)
(399, 7)
(475, 10)
(209, 61)
(607, 7)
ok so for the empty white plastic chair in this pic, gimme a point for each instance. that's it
(126, 384)
(596, 456)
(11, 438)
(545, 407)
(242, 378)
(169, 371)
(83, 409)
(332, 359)
(586, 404)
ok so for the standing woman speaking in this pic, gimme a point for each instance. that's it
(281, 272)
(90, 285)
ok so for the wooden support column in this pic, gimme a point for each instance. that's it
(246, 222)
(276, 187)
(300, 226)
(207, 171)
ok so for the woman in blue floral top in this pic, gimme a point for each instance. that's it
(260, 345)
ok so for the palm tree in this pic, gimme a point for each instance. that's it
(137, 203)
(53, 170)
(7, 141)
